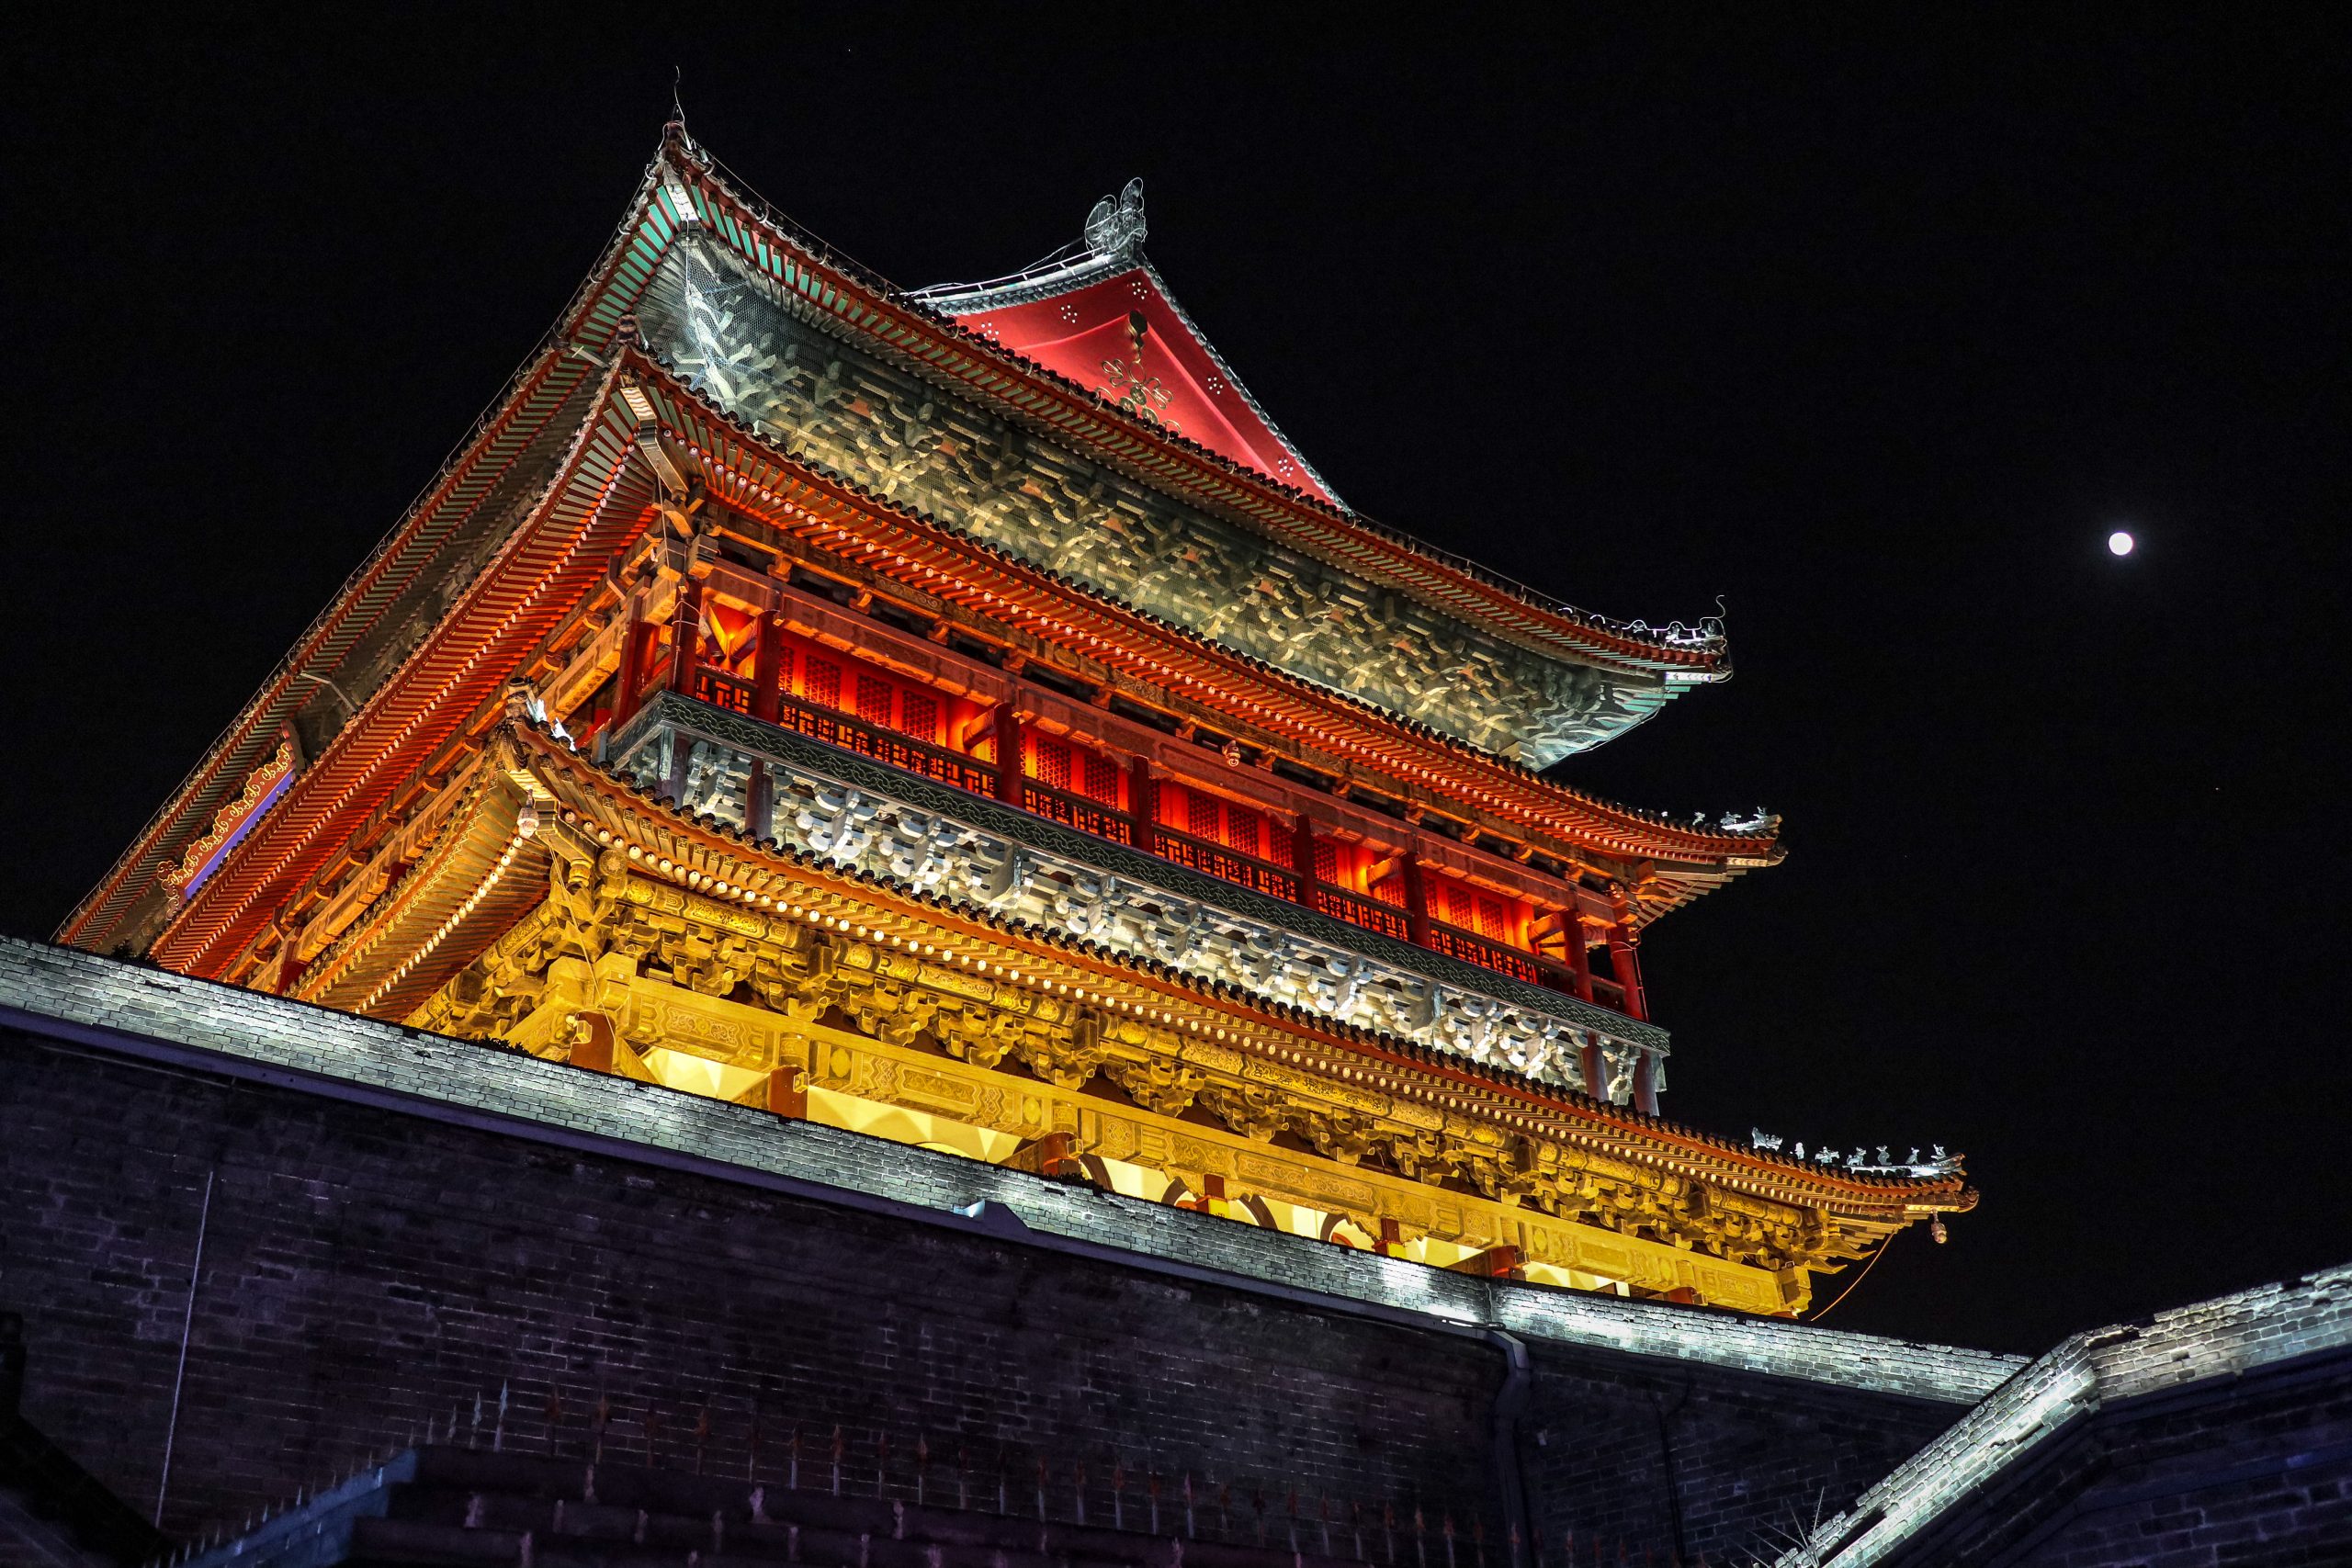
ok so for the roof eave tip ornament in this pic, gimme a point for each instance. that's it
(1114, 229)
(676, 128)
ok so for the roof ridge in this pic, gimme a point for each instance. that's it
(1765, 835)
(1631, 1120)
(1703, 644)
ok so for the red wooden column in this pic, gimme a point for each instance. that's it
(1595, 1070)
(1627, 968)
(685, 637)
(1622, 962)
(767, 700)
(1579, 956)
(1302, 858)
(637, 661)
(1143, 803)
(1645, 1084)
(1007, 752)
(769, 661)
(1417, 900)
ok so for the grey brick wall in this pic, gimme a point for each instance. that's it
(243, 1033)
(1685, 1460)
(398, 1222)
(2068, 1407)
(363, 1272)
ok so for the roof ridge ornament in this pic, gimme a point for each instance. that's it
(1114, 229)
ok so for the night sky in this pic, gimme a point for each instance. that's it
(1874, 336)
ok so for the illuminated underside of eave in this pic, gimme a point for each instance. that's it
(594, 325)
(717, 861)
(290, 843)
(738, 464)
(598, 504)
(923, 337)
(524, 418)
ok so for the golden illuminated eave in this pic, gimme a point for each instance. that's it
(770, 893)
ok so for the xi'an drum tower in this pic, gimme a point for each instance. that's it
(881, 929)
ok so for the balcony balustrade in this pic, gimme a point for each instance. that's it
(1103, 821)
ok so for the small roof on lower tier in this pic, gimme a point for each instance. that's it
(1100, 314)
(377, 682)
(762, 879)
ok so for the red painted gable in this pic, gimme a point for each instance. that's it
(1089, 334)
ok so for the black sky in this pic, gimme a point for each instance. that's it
(1874, 327)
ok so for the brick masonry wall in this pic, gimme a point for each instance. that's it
(2225, 1473)
(398, 1221)
(363, 1272)
(2178, 1401)
(267, 1038)
(1683, 1460)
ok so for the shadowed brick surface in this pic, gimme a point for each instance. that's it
(1696, 1458)
(398, 1222)
(2218, 1433)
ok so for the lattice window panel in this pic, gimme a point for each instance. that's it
(1053, 762)
(1494, 919)
(1244, 830)
(919, 717)
(874, 700)
(1201, 815)
(823, 685)
(1327, 861)
(1100, 779)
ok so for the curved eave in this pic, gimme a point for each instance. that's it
(739, 465)
(598, 502)
(483, 873)
(979, 307)
(934, 346)
(721, 863)
(523, 417)
(529, 411)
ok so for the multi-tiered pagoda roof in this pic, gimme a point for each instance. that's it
(800, 686)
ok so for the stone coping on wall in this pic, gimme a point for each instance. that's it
(136, 1010)
(2226, 1337)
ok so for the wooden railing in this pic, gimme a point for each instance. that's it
(719, 690)
(1456, 942)
(886, 745)
(1106, 822)
(1232, 865)
(1371, 914)
(836, 729)
(1078, 811)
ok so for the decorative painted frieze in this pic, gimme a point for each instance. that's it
(865, 816)
(831, 406)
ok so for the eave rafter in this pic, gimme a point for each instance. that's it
(598, 502)
(754, 477)
(542, 405)
(922, 337)
(716, 860)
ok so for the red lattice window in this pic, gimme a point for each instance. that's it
(824, 683)
(919, 717)
(1101, 779)
(1391, 891)
(874, 700)
(1327, 861)
(1457, 908)
(1201, 814)
(1494, 920)
(1053, 762)
(1244, 828)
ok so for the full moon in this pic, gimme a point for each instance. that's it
(2119, 543)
